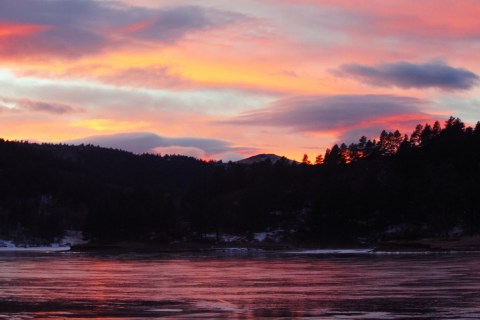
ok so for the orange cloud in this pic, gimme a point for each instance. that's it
(211, 70)
(110, 125)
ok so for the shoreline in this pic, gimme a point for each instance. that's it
(35, 249)
(433, 245)
(458, 244)
(126, 246)
(437, 245)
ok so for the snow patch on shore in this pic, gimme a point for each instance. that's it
(260, 236)
(71, 238)
(10, 247)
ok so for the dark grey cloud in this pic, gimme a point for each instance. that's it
(38, 106)
(70, 27)
(169, 26)
(49, 107)
(50, 12)
(142, 142)
(79, 27)
(410, 75)
(330, 113)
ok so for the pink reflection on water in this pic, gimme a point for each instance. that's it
(76, 286)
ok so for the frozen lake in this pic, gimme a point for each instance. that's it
(240, 285)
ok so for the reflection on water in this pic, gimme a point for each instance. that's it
(241, 286)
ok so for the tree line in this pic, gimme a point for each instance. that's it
(402, 186)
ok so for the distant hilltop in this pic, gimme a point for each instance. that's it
(263, 157)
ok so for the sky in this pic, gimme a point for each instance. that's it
(224, 80)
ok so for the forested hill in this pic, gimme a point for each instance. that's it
(423, 184)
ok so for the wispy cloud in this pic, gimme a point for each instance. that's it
(321, 113)
(341, 115)
(75, 28)
(150, 77)
(127, 100)
(37, 106)
(173, 24)
(449, 18)
(411, 75)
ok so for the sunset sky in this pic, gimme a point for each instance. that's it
(219, 79)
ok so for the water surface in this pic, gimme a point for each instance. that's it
(239, 285)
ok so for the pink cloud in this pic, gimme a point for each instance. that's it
(87, 27)
(428, 18)
(340, 115)
(20, 30)
(187, 151)
(149, 77)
